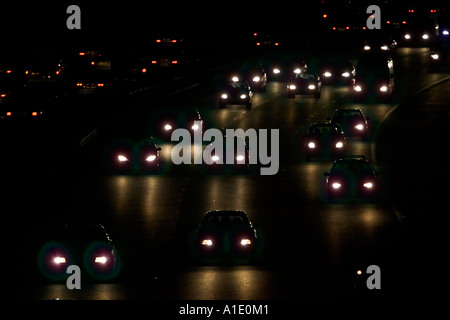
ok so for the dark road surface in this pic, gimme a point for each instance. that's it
(309, 248)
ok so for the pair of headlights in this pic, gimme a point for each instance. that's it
(244, 242)
(122, 158)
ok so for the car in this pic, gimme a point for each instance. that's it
(304, 83)
(418, 32)
(226, 234)
(135, 157)
(380, 43)
(352, 121)
(88, 246)
(240, 159)
(351, 177)
(165, 120)
(440, 55)
(284, 68)
(374, 77)
(324, 139)
(338, 71)
(236, 92)
(255, 76)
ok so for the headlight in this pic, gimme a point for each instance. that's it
(246, 242)
(292, 87)
(122, 158)
(311, 145)
(224, 96)
(425, 36)
(336, 185)
(207, 242)
(311, 87)
(59, 260)
(357, 88)
(167, 127)
(339, 145)
(101, 260)
(240, 158)
(235, 79)
(243, 96)
(384, 48)
(195, 127)
(383, 88)
(407, 36)
(435, 56)
(445, 33)
(346, 74)
(276, 71)
(359, 127)
(256, 79)
(327, 74)
(297, 70)
(368, 185)
(150, 158)
(215, 158)
(366, 47)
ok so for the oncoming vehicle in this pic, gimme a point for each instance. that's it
(305, 84)
(237, 92)
(255, 76)
(352, 121)
(87, 246)
(337, 71)
(351, 177)
(222, 161)
(324, 140)
(135, 157)
(226, 234)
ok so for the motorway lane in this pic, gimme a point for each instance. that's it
(310, 248)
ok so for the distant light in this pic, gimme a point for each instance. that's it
(8, 114)
(240, 158)
(235, 79)
(224, 96)
(388, 22)
(327, 74)
(8, 71)
(358, 88)
(276, 44)
(359, 127)
(81, 54)
(383, 88)
(34, 114)
(292, 87)
(258, 43)
(255, 34)
(435, 56)
(144, 70)
(346, 74)
(174, 62)
(92, 63)
(174, 41)
(276, 71)
(368, 185)
(407, 36)
(339, 145)
(100, 84)
(167, 127)
(207, 242)
(425, 36)
(215, 158)
(59, 260)
(150, 158)
(384, 48)
(403, 22)
(243, 96)
(445, 32)
(2, 95)
(195, 127)
(79, 84)
(336, 185)
(158, 40)
(154, 61)
(325, 16)
(334, 28)
(311, 145)
(122, 158)
(245, 242)
(366, 47)
(311, 87)
(102, 260)
(256, 79)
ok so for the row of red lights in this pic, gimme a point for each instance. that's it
(33, 114)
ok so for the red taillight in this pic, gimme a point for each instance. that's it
(34, 114)
(81, 54)
(258, 43)
(8, 114)
(158, 40)
(174, 62)
(92, 63)
(79, 84)
(154, 61)
(174, 41)
(100, 84)
(8, 71)
(144, 70)
(2, 95)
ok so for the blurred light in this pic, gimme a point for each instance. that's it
(174, 62)
(81, 54)
(102, 260)
(383, 88)
(154, 61)
(368, 185)
(311, 87)
(150, 158)
(256, 79)
(255, 34)
(245, 242)
(339, 145)
(100, 84)
(144, 70)
(207, 242)
(292, 87)
(167, 127)
(258, 43)
(158, 41)
(26, 71)
(388, 22)
(79, 84)
(243, 96)
(403, 22)
(59, 260)
(311, 145)
(359, 127)
(346, 74)
(327, 74)
(407, 36)
(435, 56)
(174, 41)
(8, 113)
(297, 70)
(195, 127)
(425, 36)
(359, 272)
(445, 32)
(358, 88)
(215, 158)
(92, 63)
(240, 158)
(336, 185)
(224, 96)
(122, 158)
(276, 44)
(325, 16)
(384, 48)
(34, 114)
(2, 95)
(367, 47)
(235, 79)
(276, 71)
